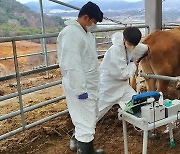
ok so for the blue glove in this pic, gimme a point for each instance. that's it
(83, 96)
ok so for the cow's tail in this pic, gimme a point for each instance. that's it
(147, 55)
(144, 55)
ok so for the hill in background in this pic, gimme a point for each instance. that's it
(18, 19)
(117, 9)
(24, 19)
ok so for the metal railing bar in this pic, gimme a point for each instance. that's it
(30, 108)
(39, 36)
(39, 70)
(169, 27)
(18, 84)
(11, 133)
(104, 43)
(33, 124)
(26, 55)
(171, 24)
(40, 53)
(116, 28)
(161, 77)
(30, 90)
(27, 37)
(99, 37)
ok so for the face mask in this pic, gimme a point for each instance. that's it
(90, 28)
(129, 47)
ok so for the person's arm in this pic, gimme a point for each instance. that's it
(70, 47)
(118, 67)
(139, 51)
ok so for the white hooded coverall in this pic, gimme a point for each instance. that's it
(115, 71)
(79, 66)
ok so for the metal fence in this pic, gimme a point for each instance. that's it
(46, 68)
(19, 74)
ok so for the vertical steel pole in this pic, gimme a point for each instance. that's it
(18, 84)
(125, 136)
(145, 141)
(153, 14)
(109, 40)
(43, 40)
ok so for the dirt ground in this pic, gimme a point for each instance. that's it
(53, 137)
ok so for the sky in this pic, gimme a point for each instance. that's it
(26, 1)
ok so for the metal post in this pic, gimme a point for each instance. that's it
(18, 84)
(43, 40)
(125, 136)
(109, 40)
(145, 140)
(153, 14)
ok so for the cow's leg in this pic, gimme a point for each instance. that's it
(162, 85)
(151, 84)
(133, 82)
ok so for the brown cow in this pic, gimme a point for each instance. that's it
(163, 57)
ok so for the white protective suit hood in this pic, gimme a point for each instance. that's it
(72, 23)
(117, 38)
(136, 53)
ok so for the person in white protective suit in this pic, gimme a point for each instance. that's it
(80, 70)
(118, 65)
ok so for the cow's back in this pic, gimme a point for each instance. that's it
(164, 55)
